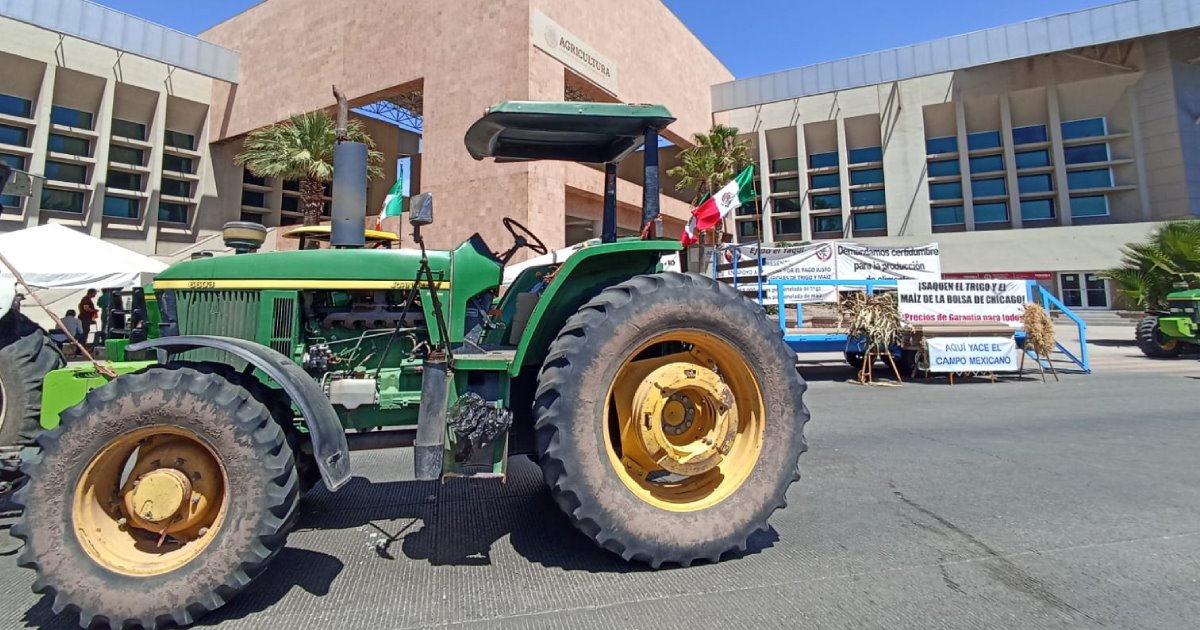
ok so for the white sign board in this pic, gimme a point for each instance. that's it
(556, 41)
(803, 262)
(962, 301)
(866, 262)
(973, 354)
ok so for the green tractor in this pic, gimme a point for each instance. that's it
(664, 409)
(1166, 334)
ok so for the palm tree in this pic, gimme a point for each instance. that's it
(302, 149)
(1167, 261)
(715, 159)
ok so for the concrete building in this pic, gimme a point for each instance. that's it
(1033, 150)
(135, 127)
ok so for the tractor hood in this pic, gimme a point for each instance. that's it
(357, 269)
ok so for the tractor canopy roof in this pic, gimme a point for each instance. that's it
(568, 131)
(1189, 294)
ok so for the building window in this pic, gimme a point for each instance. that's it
(748, 229)
(866, 176)
(827, 225)
(744, 210)
(69, 117)
(787, 226)
(1086, 153)
(983, 140)
(947, 215)
(1098, 178)
(128, 129)
(1034, 184)
(828, 180)
(172, 212)
(869, 221)
(294, 185)
(15, 106)
(177, 164)
(70, 145)
(945, 190)
(785, 164)
(860, 198)
(15, 162)
(787, 184)
(292, 204)
(179, 140)
(791, 204)
(823, 160)
(124, 181)
(121, 207)
(1090, 206)
(1031, 134)
(62, 200)
(948, 144)
(176, 188)
(125, 155)
(1037, 209)
(943, 168)
(1033, 159)
(987, 164)
(988, 187)
(60, 171)
(827, 202)
(991, 213)
(252, 179)
(1086, 128)
(866, 154)
(251, 217)
(254, 199)
(16, 136)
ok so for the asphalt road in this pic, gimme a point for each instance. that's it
(1016, 504)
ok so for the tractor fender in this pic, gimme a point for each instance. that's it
(325, 430)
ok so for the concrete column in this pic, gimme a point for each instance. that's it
(1139, 153)
(964, 163)
(1062, 195)
(1010, 162)
(103, 129)
(844, 174)
(41, 136)
(155, 155)
(806, 232)
(765, 205)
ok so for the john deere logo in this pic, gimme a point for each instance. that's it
(551, 36)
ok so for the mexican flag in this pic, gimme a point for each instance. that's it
(393, 203)
(718, 206)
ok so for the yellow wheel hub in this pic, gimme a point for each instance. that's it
(686, 421)
(150, 501)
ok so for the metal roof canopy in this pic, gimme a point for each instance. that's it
(101, 25)
(1068, 31)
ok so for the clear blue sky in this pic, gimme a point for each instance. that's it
(750, 36)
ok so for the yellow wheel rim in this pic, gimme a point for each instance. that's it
(685, 421)
(150, 501)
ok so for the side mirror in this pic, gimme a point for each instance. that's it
(420, 209)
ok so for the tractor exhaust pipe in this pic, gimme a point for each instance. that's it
(349, 185)
(431, 418)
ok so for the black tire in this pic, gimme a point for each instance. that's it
(856, 360)
(24, 362)
(260, 498)
(1151, 342)
(570, 411)
(907, 363)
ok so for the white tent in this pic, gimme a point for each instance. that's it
(53, 256)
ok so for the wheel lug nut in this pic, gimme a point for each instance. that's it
(178, 462)
(203, 531)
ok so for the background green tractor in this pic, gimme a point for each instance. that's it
(664, 409)
(1165, 334)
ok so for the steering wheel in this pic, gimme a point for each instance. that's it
(519, 233)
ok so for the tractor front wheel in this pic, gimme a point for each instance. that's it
(1153, 343)
(158, 498)
(669, 419)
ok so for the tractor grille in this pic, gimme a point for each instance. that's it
(283, 325)
(220, 313)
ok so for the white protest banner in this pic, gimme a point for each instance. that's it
(868, 262)
(973, 354)
(962, 301)
(802, 262)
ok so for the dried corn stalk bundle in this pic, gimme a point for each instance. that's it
(1039, 329)
(875, 318)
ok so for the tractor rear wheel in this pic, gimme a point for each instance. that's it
(670, 419)
(26, 355)
(1153, 343)
(160, 496)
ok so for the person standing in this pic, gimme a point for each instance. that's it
(87, 314)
